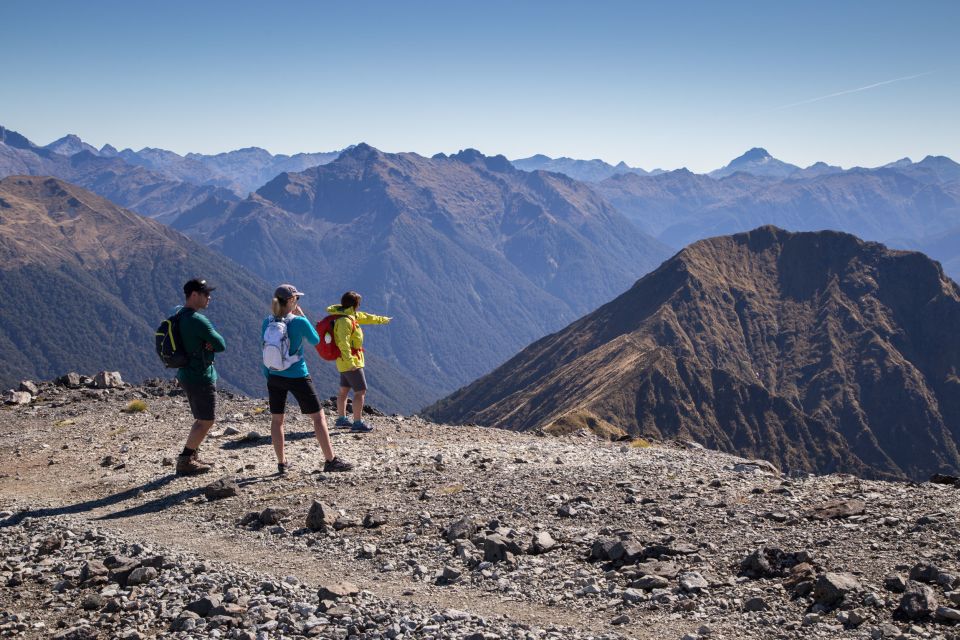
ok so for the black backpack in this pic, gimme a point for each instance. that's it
(170, 345)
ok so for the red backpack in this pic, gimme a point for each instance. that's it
(327, 347)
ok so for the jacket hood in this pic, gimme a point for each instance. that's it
(335, 308)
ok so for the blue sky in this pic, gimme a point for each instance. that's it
(690, 84)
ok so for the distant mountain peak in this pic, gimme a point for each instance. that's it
(497, 164)
(11, 138)
(362, 151)
(756, 154)
(896, 164)
(757, 161)
(937, 160)
(468, 156)
(69, 145)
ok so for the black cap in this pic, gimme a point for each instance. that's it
(197, 284)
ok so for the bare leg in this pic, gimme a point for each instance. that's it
(198, 432)
(276, 435)
(358, 397)
(323, 436)
(342, 401)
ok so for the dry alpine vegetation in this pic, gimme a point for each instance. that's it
(442, 532)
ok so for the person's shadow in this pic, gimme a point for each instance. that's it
(153, 506)
(266, 441)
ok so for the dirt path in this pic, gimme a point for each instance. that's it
(196, 537)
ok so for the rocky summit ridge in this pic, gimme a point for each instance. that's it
(816, 351)
(443, 532)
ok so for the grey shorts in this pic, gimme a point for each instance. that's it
(355, 379)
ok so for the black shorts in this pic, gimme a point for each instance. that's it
(355, 379)
(301, 388)
(202, 398)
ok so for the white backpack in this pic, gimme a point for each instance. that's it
(276, 346)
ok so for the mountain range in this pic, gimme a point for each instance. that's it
(471, 256)
(241, 170)
(131, 186)
(913, 206)
(93, 280)
(817, 351)
(583, 170)
(153, 182)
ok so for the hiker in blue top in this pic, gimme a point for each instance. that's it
(286, 371)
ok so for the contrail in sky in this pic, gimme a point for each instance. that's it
(843, 93)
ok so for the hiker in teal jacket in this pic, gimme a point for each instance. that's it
(199, 378)
(349, 338)
(294, 378)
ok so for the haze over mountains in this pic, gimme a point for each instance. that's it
(134, 187)
(472, 257)
(88, 282)
(906, 204)
(817, 351)
(584, 170)
(910, 205)
(241, 170)
(153, 182)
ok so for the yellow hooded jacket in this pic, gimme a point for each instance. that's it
(348, 339)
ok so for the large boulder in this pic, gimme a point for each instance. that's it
(771, 562)
(70, 380)
(18, 397)
(107, 380)
(831, 588)
(337, 590)
(321, 517)
(30, 387)
(919, 602)
(461, 529)
(222, 488)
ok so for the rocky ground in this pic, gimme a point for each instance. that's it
(441, 532)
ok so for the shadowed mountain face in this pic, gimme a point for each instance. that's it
(88, 282)
(473, 258)
(817, 351)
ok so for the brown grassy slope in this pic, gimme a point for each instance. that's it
(817, 351)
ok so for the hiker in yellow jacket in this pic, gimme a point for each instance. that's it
(349, 338)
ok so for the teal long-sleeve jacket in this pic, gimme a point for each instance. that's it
(197, 331)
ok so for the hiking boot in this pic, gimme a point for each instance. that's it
(189, 466)
(337, 464)
(343, 421)
(196, 458)
(282, 468)
(359, 426)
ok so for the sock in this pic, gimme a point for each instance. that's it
(187, 451)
